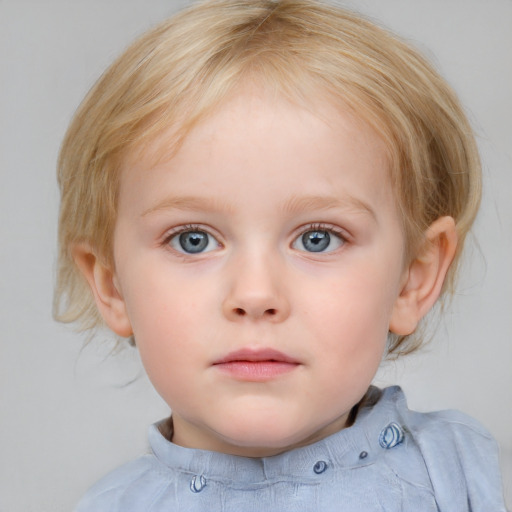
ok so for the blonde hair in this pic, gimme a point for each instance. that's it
(175, 74)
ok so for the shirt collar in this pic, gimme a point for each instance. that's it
(354, 446)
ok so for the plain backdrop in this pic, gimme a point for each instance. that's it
(69, 414)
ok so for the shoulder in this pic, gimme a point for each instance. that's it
(447, 425)
(126, 488)
(460, 455)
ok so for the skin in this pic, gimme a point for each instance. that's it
(252, 179)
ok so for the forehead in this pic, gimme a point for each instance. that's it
(275, 143)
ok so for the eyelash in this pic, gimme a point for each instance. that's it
(321, 227)
(185, 229)
(325, 227)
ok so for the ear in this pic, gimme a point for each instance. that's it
(105, 290)
(424, 277)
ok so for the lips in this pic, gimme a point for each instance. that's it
(256, 365)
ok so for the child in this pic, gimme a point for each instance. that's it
(268, 197)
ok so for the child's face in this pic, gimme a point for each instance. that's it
(260, 269)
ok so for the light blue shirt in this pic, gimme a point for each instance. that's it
(392, 459)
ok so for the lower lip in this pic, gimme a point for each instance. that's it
(256, 371)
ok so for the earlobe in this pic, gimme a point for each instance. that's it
(109, 300)
(424, 277)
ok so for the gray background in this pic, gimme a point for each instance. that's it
(69, 414)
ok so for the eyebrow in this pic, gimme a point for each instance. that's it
(297, 204)
(294, 205)
(190, 203)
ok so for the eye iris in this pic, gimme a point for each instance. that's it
(193, 241)
(316, 241)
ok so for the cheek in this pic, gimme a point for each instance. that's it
(351, 317)
(163, 303)
(353, 345)
(167, 322)
(364, 304)
(168, 360)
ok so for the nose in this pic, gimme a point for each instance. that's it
(256, 291)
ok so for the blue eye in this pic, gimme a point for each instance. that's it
(193, 241)
(318, 240)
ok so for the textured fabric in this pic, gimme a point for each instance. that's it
(392, 459)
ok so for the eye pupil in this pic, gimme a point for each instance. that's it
(316, 241)
(193, 241)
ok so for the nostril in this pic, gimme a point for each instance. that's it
(242, 312)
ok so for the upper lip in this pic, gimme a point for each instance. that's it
(256, 355)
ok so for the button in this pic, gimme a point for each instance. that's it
(320, 467)
(198, 483)
(363, 455)
(391, 436)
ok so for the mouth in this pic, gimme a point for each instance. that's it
(256, 365)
